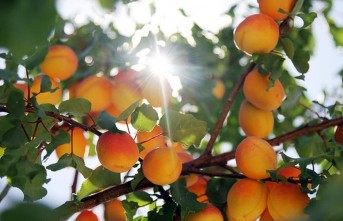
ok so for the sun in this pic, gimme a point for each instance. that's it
(159, 65)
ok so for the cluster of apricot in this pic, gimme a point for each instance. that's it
(250, 198)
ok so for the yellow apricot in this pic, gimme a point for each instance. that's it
(246, 200)
(254, 156)
(257, 33)
(151, 140)
(256, 91)
(46, 97)
(79, 144)
(87, 215)
(209, 213)
(254, 121)
(96, 89)
(219, 89)
(60, 62)
(286, 201)
(191, 178)
(117, 152)
(114, 211)
(162, 166)
(272, 7)
(266, 216)
(199, 188)
(23, 87)
(157, 91)
(339, 134)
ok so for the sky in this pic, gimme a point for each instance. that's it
(324, 64)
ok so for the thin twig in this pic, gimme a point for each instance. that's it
(74, 185)
(4, 192)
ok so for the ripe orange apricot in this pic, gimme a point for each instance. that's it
(117, 152)
(96, 89)
(114, 211)
(209, 213)
(286, 201)
(256, 91)
(191, 178)
(199, 188)
(254, 156)
(339, 134)
(23, 87)
(219, 89)
(272, 7)
(254, 121)
(46, 97)
(266, 216)
(60, 62)
(157, 91)
(258, 33)
(79, 144)
(246, 200)
(288, 172)
(87, 215)
(162, 166)
(155, 137)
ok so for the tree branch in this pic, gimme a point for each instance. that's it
(219, 124)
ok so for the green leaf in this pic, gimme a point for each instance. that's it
(36, 58)
(27, 212)
(14, 138)
(139, 197)
(336, 32)
(144, 118)
(106, 121)
(45, 84)
(8, 75)
(130, 209)
(68, 160)
(307, 18)
(184, 128)
(75, 106)
(137, 179)
(62, 137)
(300, 60)
(166, 212)
(16, 104)
(269, 63)
(125, 115)
(25, 25)
(187, 200)
(218, 185)
(108, 4)
(288, 46)
(297, 7)
(101, 178)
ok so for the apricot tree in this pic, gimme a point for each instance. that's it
(212, 146)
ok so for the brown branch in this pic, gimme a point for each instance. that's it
(219, 124)
(74, 185)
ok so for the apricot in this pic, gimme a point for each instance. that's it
(209, 213)
(157, 91)
(79, 144)
(266, 216)
(114, 211)
(199, 188)
(23, 87)
(87, 215)
(117, 152)
(46, 97)
(254, 156)
(191, 178)
(60, 62)
(257, 33)
(246, 200)
(286, 201)
(155, 137)
(339, 134)
(96, 89)
(162, 166)
(219, 89)
(123, 94)
(272, 7)
(254, 121)
(256, 91)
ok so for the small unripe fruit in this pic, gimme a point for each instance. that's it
(254, 121)
(46, 97)
(87, 215)
(60, 62)
(117, 152)
(339, 134)
(272, 7)
(258, 33)
(246, 200)
(79, 144)
(287, 202)
(209, 213)
(162, 166)
(254, 156)
(256, 91)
